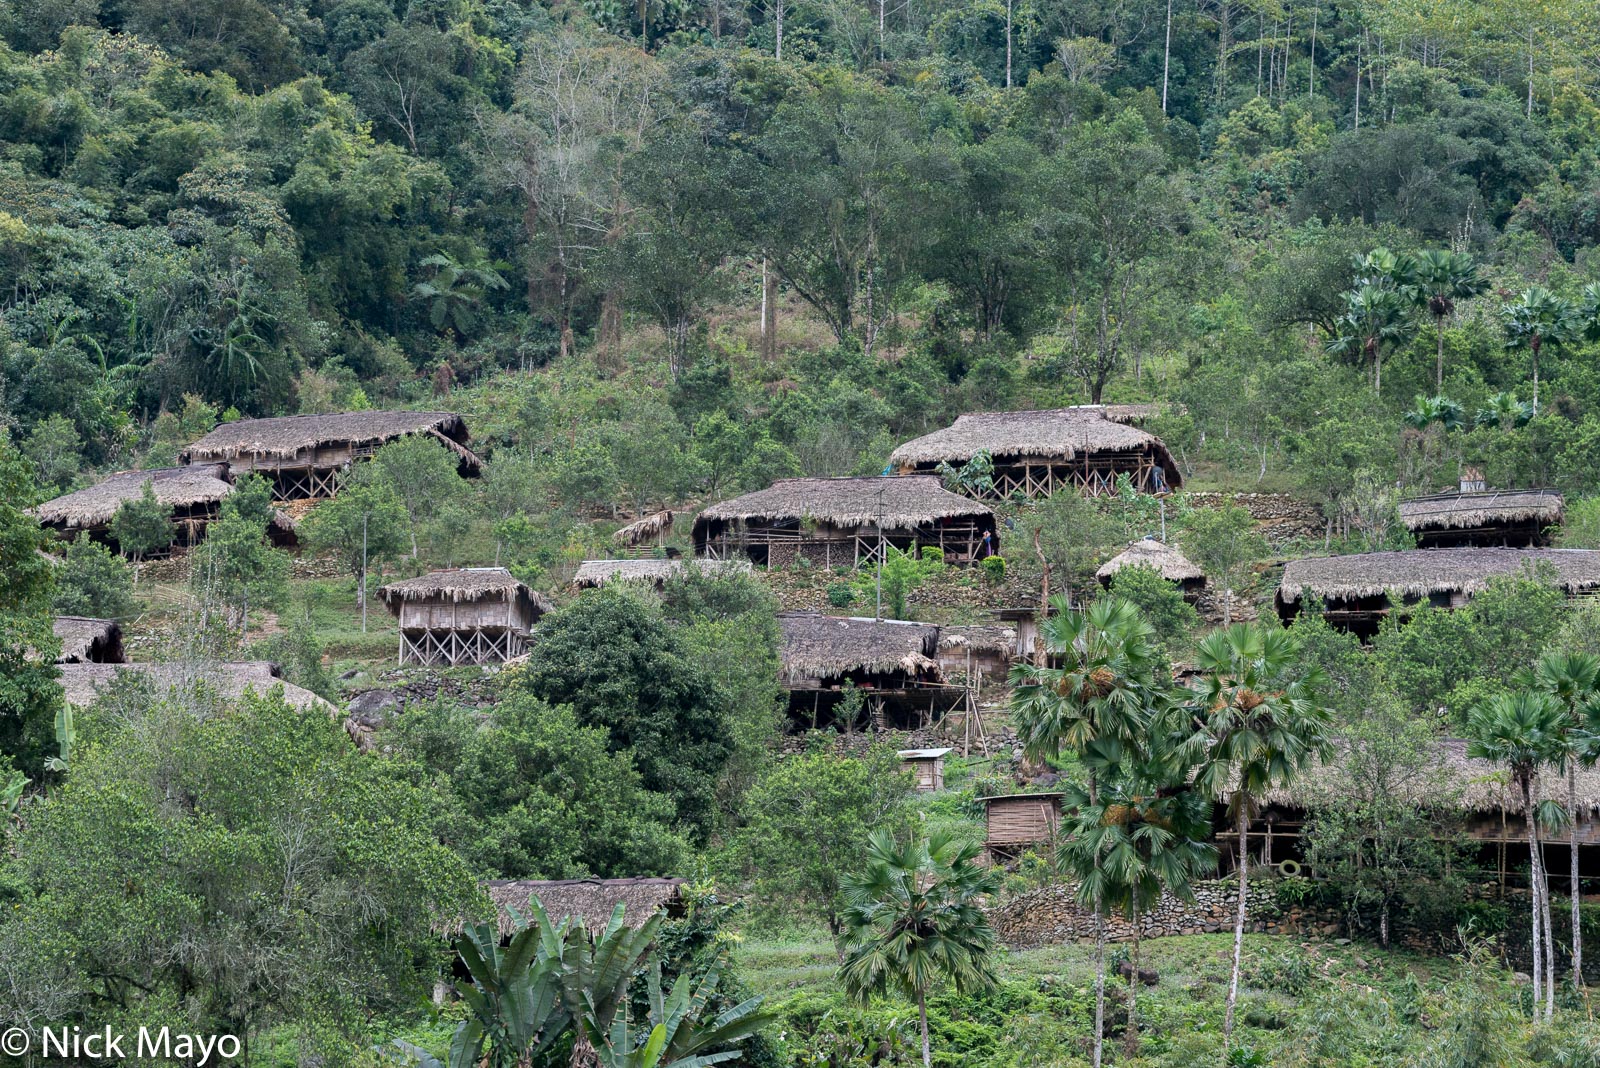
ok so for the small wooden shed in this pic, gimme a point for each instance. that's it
(978, 649)
(586, 902)
(467, 615)
(1016, 821)
(89, 641)
(927, 765)
(1171, 564)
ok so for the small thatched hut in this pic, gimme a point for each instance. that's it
(1517, 518)
(592, 574)
(304, 455)
(646, 533)
(466, 615)
(587, 902)
(927, 765)
(889, 662)
(89, 641)
(1016, 821)
(1148, 552)
(985, 648)
(1034, 453)
(194, 495)
(1359, 590)
(83, 683)
(836, 522)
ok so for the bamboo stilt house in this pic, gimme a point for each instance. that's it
(647, 534)
(1516, 518)
(1164, 558)
(89, 641)
(586, 902)
(845, 522)
(1035, 453)
(592, 574)
(85, 683)
(889, 663)
(468, 615)
(194, 495)
(303, 456)
(1360, 590)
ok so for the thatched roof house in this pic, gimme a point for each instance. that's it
(988, 648)
(464, 615)
(592, 574)
(1085, 448)
(84, 683)
(192, 493)
(303, 455)
(816, 648)
(1356, 590)
(1148, 552)
(844, 521)
(1521, 518)
(588, 902)
(89, 641)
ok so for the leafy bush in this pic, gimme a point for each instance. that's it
(994, 569)
(840, 594)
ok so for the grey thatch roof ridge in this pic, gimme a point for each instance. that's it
(902, 502)
(595, 573)
(83, 683)
(1148, 552)
(588, 902)
(78, 635)
(651, 526)
(979, 637)
(173, 486)
(1454, 511)
(461, 584)
(283, 437)
(1055, 433)
(817, 646)
(1419, 572)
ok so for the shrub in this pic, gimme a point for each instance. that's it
(994, 569)
(840, 594)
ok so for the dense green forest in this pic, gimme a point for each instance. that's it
(657, 254)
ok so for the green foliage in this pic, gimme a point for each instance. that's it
(95, 582)
(1162, 604)
(365, 525)
(142, 524)
(29, 694)
(55, 449)
(994, 569)
(420, 474)
(1224, 542)
(235, 567)
(902, 574)
(841, 594)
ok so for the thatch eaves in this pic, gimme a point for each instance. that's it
(981, 638)
(176, 487)
(83, 683)
(1051, 434)
(588, 902)
(463, 584)
(816, 646)
(1469, 511)
(286, 437)
(1417, 573)
(592, 574)
(650, 528)
(86, 640)
(903, 503)
(1148, 552)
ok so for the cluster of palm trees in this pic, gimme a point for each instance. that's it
(1392, 291)
(1155, 757)
(1550, 720)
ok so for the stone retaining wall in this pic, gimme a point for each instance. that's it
(1281, 517)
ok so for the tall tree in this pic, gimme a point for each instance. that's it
(1539, 318)
(1265, 726)
(1442, 278)
(1375, 319)
(29, 693)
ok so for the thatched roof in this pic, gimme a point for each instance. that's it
(589, 902)
(1466, 511)
(1057, 433)
(83, 682)
(649, 528)
(285, 437)
(462, 584)
(1148, 552)
(815, 646)
(176, 487)
(980, 638)
(592, 574)
(1419, 572)
(84, 639)
(902, 503)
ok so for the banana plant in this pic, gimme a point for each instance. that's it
(66, 738)
(677, 1038)
(11, 793)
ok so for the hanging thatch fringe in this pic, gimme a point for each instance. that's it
(1418, 573)
(900, 503)
(816, 647)
(1058, 433)
(1467, 511)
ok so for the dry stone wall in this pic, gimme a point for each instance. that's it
(1281, 517)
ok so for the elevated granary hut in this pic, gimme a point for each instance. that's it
(1519, 518)
(84, 683)
(985, 648)
(926, 765)
(844, 522)
(1035, 453)
(587, 902)
(1016, 821)
(192, 493)
(1148, 552)
(1357, 591)
(592, 574)
(89, 641)
(889, 661)
(468, 615)
(304, 455)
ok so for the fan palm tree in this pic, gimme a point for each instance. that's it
(1100, 700)
(1539, 318)
(1503, 410)
(914, 914)
(1265, 727)
(1523, 730)
(455, 290)
(1442, 278)
(1375, 318)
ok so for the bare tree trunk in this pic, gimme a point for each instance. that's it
(1238, 923)
(1040, 658)
(922, 1017)
(1130, 1037)
(1572, 885)
(1099, 947)
(1008, 44)
(1166, 59)
(1533, 876)
(1438, 369)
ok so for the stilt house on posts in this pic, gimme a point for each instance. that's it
(89, 641)
(193, 495)
(845, 522)
(1015, 822)
(467, 615)
(1165, 559)
(1359, 591)
(889, 664)
(1517, 518)
(304, 456)
(1085, 449)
